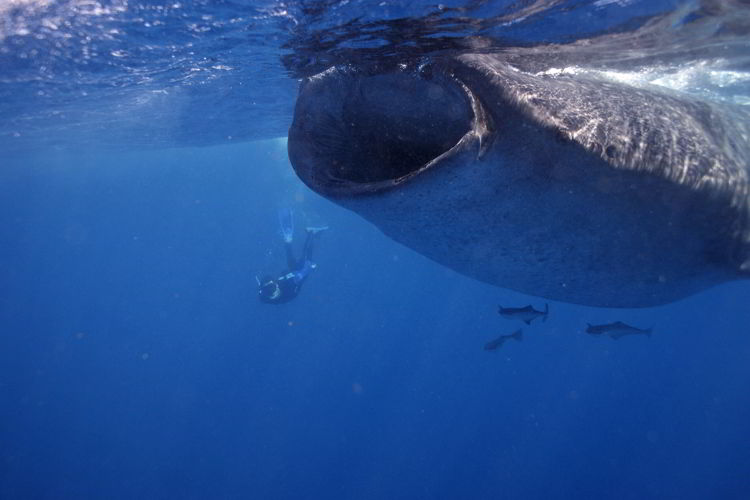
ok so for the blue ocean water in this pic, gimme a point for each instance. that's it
(137, 362)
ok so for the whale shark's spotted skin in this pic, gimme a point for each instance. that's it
(569, 187)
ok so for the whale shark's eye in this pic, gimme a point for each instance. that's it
(354, 133)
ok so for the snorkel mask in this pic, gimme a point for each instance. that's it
(269, 289)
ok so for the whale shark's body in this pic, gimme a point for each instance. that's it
(573, 188)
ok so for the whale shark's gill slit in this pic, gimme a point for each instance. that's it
(355, 133)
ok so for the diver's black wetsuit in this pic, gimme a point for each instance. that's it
(285, 287)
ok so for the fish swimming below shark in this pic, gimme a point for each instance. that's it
(617, 330)
(498, 342)
(526, 314)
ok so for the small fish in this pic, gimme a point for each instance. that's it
(494, 344)
(526, 314)
(616, 330)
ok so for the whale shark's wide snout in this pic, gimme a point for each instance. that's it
(355, 133)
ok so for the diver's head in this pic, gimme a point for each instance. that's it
(268, 290)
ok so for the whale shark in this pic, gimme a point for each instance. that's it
(563, 185)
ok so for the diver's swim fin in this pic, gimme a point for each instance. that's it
(286, 222)
(316, 230)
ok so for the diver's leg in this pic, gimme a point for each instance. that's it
(311, 233)
(305, 265)
(291, 262)
(308, 249)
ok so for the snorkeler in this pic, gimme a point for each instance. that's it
(285, 287)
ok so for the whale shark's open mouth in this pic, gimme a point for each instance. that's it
(356, 133)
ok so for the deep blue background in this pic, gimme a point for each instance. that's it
(136, 361)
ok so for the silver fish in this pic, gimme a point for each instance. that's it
(526, 314)
(617, 330)
(494, 344)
